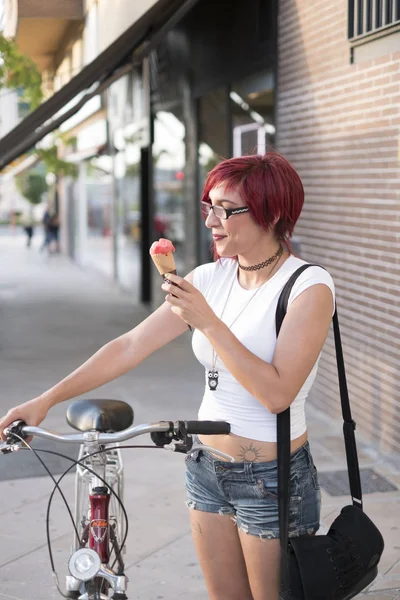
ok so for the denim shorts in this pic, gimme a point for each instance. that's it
(248, 491)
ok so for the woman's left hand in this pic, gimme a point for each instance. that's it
(188, 303)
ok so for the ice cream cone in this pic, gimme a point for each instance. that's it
(162, 254)
(165, 263)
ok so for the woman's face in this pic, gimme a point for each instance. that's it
(239, 234)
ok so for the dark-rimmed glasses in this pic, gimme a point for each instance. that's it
(220, 212)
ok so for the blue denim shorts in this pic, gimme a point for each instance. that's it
(249, 492)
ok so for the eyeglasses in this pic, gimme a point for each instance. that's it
(220, 212)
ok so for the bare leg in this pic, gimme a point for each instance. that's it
(218, 548)
(263, 565)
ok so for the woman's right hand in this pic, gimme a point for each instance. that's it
(32, 412)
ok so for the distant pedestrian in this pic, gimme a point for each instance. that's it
(53, 229)
(45, 221)
(28, 225)
(51, 224)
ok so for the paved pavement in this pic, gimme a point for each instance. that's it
(52, 317)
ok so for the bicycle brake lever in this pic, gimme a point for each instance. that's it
(186, 439)
(182, 447)
(6, 448)
(176, 433)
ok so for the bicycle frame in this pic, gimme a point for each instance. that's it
(99, 536)
(112, 470)
(96, 512)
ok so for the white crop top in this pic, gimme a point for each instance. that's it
(255, 329)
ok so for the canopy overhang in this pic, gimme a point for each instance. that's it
(118, 59)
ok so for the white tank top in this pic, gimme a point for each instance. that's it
(255, 329)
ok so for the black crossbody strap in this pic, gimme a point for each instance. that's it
(283, 423)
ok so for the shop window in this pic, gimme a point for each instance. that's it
(169, 166)
(99, 190)
(215, 144)
(252, 105)
(125, 131)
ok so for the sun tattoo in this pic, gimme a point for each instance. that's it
(250, 453)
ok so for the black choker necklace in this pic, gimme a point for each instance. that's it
(267, 262)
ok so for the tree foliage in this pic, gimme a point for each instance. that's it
(32, 185)
(53, 164)
(19, 72)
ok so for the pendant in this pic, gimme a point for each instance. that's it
(212, 379)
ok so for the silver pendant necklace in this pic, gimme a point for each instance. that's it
(212, 374)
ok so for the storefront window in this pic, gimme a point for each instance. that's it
(252, 105)
(123, 129)
(127, 173)
(99, 189)
(214, 146)
(169, 165)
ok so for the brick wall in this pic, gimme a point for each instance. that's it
(339, 125)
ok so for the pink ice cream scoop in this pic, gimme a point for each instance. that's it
(162, 254)
(163, 246)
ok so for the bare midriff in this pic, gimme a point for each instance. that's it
(247, 450)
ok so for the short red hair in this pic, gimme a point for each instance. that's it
(268, 185)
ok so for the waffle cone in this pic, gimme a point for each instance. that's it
(165, 263)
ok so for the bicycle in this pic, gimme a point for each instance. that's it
(100, 520)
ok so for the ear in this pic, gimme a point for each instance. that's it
(274, 222)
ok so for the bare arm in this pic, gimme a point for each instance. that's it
(112, 360)
(121, 354)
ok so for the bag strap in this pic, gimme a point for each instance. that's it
(283, 424)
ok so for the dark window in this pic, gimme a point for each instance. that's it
(378, 13)
(388, 12)
(364, 19)
(369, 15)
(264, 20)
(360, 16)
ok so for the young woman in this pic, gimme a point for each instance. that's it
(251, 204)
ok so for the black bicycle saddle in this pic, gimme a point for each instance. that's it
(99, 415)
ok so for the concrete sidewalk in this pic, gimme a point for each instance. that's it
(52, 317)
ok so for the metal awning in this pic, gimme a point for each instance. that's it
(130, 48)
(23, 163)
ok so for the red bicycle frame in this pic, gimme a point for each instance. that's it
(99, 523)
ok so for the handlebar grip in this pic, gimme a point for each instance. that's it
(208, 427)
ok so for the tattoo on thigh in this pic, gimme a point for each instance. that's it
(196, 527)
(250, 453)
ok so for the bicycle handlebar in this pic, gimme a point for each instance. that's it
(168, 427)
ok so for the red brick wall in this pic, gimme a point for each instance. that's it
(339, 125)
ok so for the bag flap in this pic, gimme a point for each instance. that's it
(352, 533)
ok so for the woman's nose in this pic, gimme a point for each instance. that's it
(212, 220)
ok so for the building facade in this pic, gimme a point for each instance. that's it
(338, 122)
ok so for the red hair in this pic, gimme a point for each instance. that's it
(268, 185)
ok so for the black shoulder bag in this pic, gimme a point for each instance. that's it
(340, 564)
